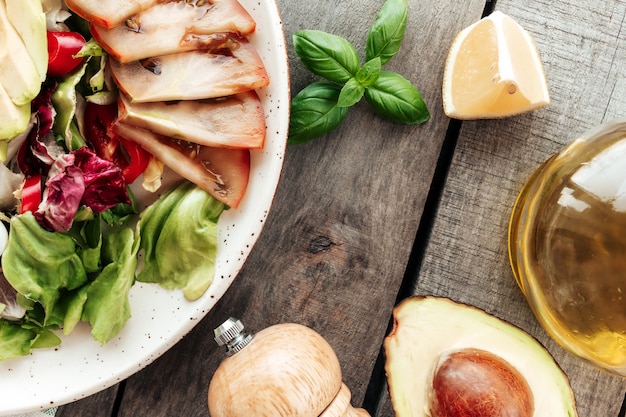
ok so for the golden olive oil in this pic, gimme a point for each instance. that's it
(567, 246)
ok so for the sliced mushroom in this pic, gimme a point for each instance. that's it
(174, 26)
(108, 13)
(235, 121)
(194, 74)
(221, 172)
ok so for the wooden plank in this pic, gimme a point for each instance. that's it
(582, 45)
(335, 246)
(337, 240)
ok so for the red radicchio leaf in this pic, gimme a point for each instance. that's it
(61, 197)
(34, 156)
(75, 179)
(105, 186)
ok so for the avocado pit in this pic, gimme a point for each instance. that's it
(477, 383)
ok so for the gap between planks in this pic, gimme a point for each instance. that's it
(377, 383)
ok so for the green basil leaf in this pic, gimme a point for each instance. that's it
(395, 98)
(314, 112)
(351, 93)
(369, 73)
(327, 55)
(385, 36)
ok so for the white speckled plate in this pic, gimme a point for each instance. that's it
(160, 318)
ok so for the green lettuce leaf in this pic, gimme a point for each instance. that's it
(88, 237)
(18, 340)
(69, 309)
(107, 307)
(64, 99)
(179, 240)
(46, 339)
(41, 264)
(14, 340)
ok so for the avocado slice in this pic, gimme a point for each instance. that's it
(29, 21)
(18, 73)
(13, 120)
(431, 334)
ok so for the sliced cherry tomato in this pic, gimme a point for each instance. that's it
(139, 160)
(62, 46)
(31, 194)
(98, 121)
(107, 144)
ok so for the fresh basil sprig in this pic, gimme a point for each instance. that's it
(322, 106)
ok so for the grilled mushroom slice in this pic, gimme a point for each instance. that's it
(174, 26)
(235, 68)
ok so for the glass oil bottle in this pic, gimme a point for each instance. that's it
(567, 246)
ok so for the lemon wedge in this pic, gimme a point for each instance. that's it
(493, 70)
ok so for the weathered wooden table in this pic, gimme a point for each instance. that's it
(375, 211)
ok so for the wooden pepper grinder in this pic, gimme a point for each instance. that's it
(284, 370)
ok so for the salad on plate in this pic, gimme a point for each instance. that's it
(125, 133)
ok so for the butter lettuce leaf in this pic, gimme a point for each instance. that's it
(107, 307)
(87, 274)
(69, 309)
(40, 264)
(179, 240)
(18, 340)
(14, 340)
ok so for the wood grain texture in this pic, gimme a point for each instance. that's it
(101, 404)
(335, 246)
(338, 237)
(337, 240)
(582, 46)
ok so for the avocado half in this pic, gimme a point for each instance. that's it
(441, 356)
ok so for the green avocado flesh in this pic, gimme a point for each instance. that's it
(24, 54)
(428, 331)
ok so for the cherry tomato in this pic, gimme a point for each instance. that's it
(139, 160)
(126, 154)
(98, 120)
(62, 46)
(31, 194)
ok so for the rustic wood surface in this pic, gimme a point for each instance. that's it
(375, 211)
